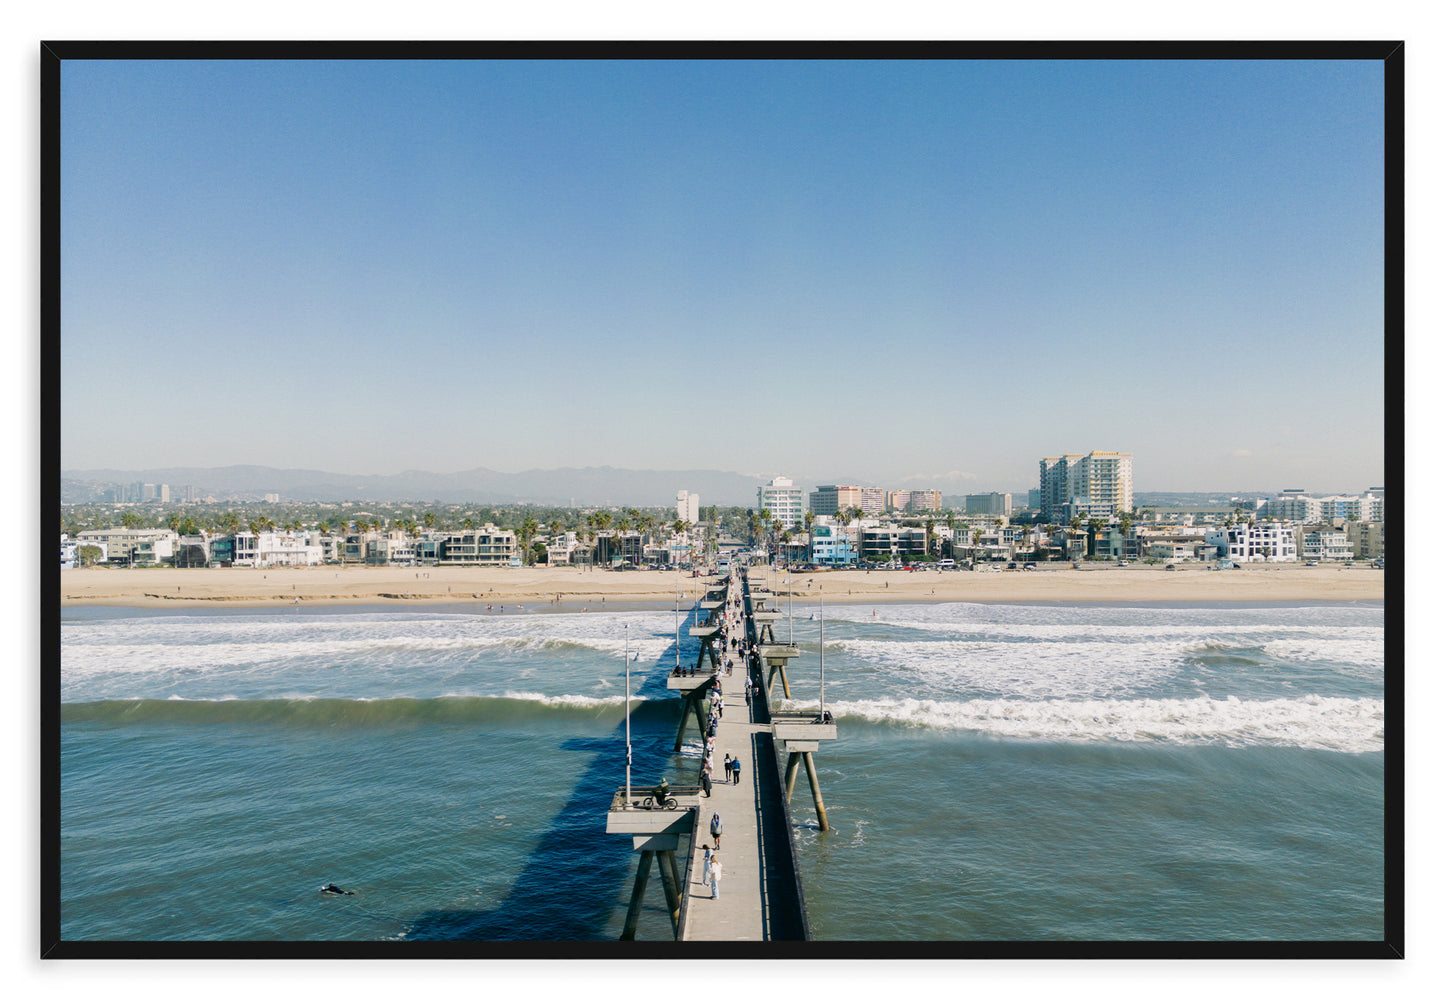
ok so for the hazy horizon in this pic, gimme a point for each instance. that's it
(759, 478)
(935, 272)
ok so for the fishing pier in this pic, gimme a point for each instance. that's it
(759, 896)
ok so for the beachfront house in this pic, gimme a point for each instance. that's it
(1322, 542)
(485, 546)
(833, 545)
(193, 551)
(273, 548)
(1263, 541)
(391, 548)
(888, 542)
(132, 546)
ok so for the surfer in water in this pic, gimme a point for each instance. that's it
(336, 890)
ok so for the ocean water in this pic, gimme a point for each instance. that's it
(1003, 772)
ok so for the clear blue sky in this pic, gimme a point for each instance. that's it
(933, 273)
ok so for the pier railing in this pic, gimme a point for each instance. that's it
(644, 798)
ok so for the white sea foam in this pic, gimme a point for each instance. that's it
(1019, 669)
(1350, 725)
(1359, 652)
(570, 700)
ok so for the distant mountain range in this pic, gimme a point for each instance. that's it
(593, 486)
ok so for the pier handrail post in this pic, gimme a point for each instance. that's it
(627, 658)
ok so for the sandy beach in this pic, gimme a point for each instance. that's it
(570, 586)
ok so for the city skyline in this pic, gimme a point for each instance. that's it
(927, 273)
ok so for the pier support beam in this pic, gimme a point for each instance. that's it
(671, 885)
(790, 778)
(776, 667)
(692, 704)
(634, 906)
(655, 839)
(817, 792)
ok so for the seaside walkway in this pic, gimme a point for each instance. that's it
(759, 895)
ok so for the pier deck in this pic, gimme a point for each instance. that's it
(758, 895)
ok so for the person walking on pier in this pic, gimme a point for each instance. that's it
(737, 770)
(716, 872)
(716, 829)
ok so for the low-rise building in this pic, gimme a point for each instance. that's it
(1321, 542)
(193, 551)
(892, 541)
(1366, 539)
(833, 545)
(133, 546)
(1263, 541)
(391, 548)
(485, 546)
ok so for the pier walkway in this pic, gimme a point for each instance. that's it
(759, 896)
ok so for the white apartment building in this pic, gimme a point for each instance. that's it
(274, 548)
(1297, 505)
(1263, 541)
(687, 506)
(783, 501)
(1099, 479)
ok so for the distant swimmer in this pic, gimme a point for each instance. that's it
(336, 890)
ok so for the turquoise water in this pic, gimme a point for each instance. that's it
(1004, 772)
